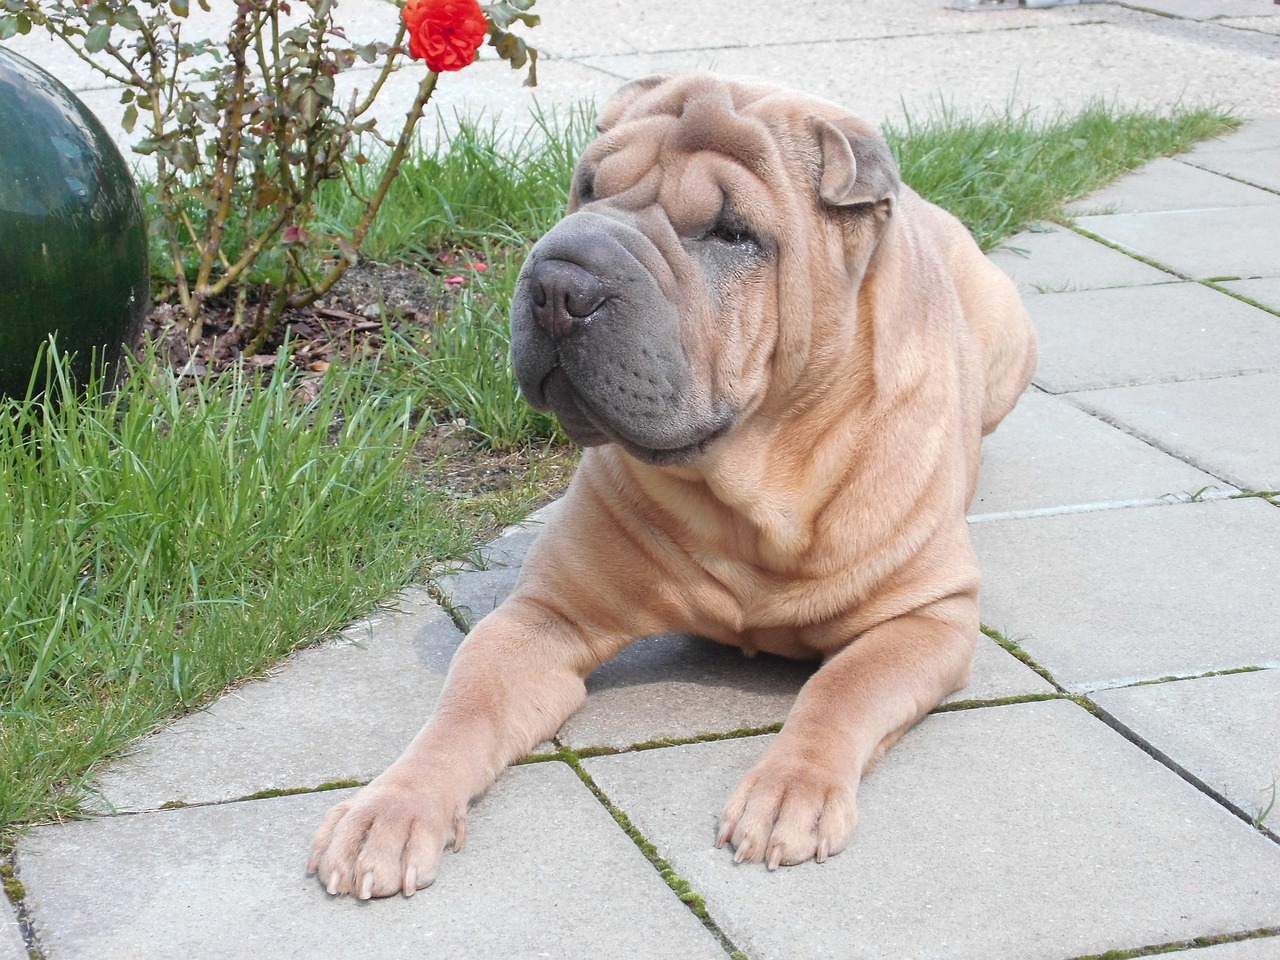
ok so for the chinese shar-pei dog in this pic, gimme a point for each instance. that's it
(781, 362)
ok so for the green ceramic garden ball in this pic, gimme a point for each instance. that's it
(73, 240)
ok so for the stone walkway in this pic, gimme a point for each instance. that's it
(1104, 784)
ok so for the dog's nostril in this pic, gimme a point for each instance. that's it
(563, 295)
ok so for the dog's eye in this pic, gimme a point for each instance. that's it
(731, 233)
(585, 186)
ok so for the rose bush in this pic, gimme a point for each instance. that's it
(242, 133)
(445, 34)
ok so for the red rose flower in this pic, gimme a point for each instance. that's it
(445, 33)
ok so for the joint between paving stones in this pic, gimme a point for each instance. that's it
(958, 705)
(1211, 282)
(1173, 678)
(16, 894)
(1015, 649)
(1179, 946)
(679, 886)
(436, 593)
(1148, 10)
(1254, 821)
(1190, 162)
(1155, 444)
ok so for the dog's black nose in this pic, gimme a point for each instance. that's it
(563, 295)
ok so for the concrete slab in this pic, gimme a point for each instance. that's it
(676, 687)
(1053, 259)
(1168, 184)
(12, 946)
(1049, 456)
(545, 872)
(1234, 243)
(1233, 743)
(1207, 9)
(1258, 133)
(1178, 331)
(1111, 598)
(339, 711)
(1265, 291)
(883, 78)
(1248, 155)
(1038, 798)
(1257, 948)
(474, 594)
(1262, 25)
(1228, 427)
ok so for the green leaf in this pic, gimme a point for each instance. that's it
(129, 19)
(130, 118)
(180, 8)
(97, 38)
(8, 27)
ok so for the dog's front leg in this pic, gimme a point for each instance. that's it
(798, 802)
(514, 680)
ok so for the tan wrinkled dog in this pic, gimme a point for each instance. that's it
(782, 361)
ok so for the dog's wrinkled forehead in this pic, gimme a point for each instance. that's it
(707, 123)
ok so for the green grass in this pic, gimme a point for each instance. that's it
(163, 542)
(475, 187)
(176, 537)
(999, 173)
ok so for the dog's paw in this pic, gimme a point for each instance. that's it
(387, 839)
(786, 812)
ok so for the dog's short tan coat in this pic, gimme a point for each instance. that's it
(795, 480)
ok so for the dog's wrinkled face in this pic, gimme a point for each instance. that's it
(650, 316)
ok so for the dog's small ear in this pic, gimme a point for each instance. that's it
(856, 168)
(625, 96)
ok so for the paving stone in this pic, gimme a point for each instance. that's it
(545, 872)
(1176, 331)
(1263, 25)
(473, 594)
(1167, 184)
(677, 686)
(1053, 259)
(1225, 730)
(1265, 291)
(1036, 798)
(1249, 154)
(1114, 597)
(1228, 427)
(339, 711)
(12, 946)
(1235, 243)
(1050, 456)
(1258, 133)
(1258, 948)
(1207, 9)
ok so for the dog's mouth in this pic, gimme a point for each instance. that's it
(587, 426)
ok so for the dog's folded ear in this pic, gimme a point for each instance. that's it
(624, 97)
(857, 168)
